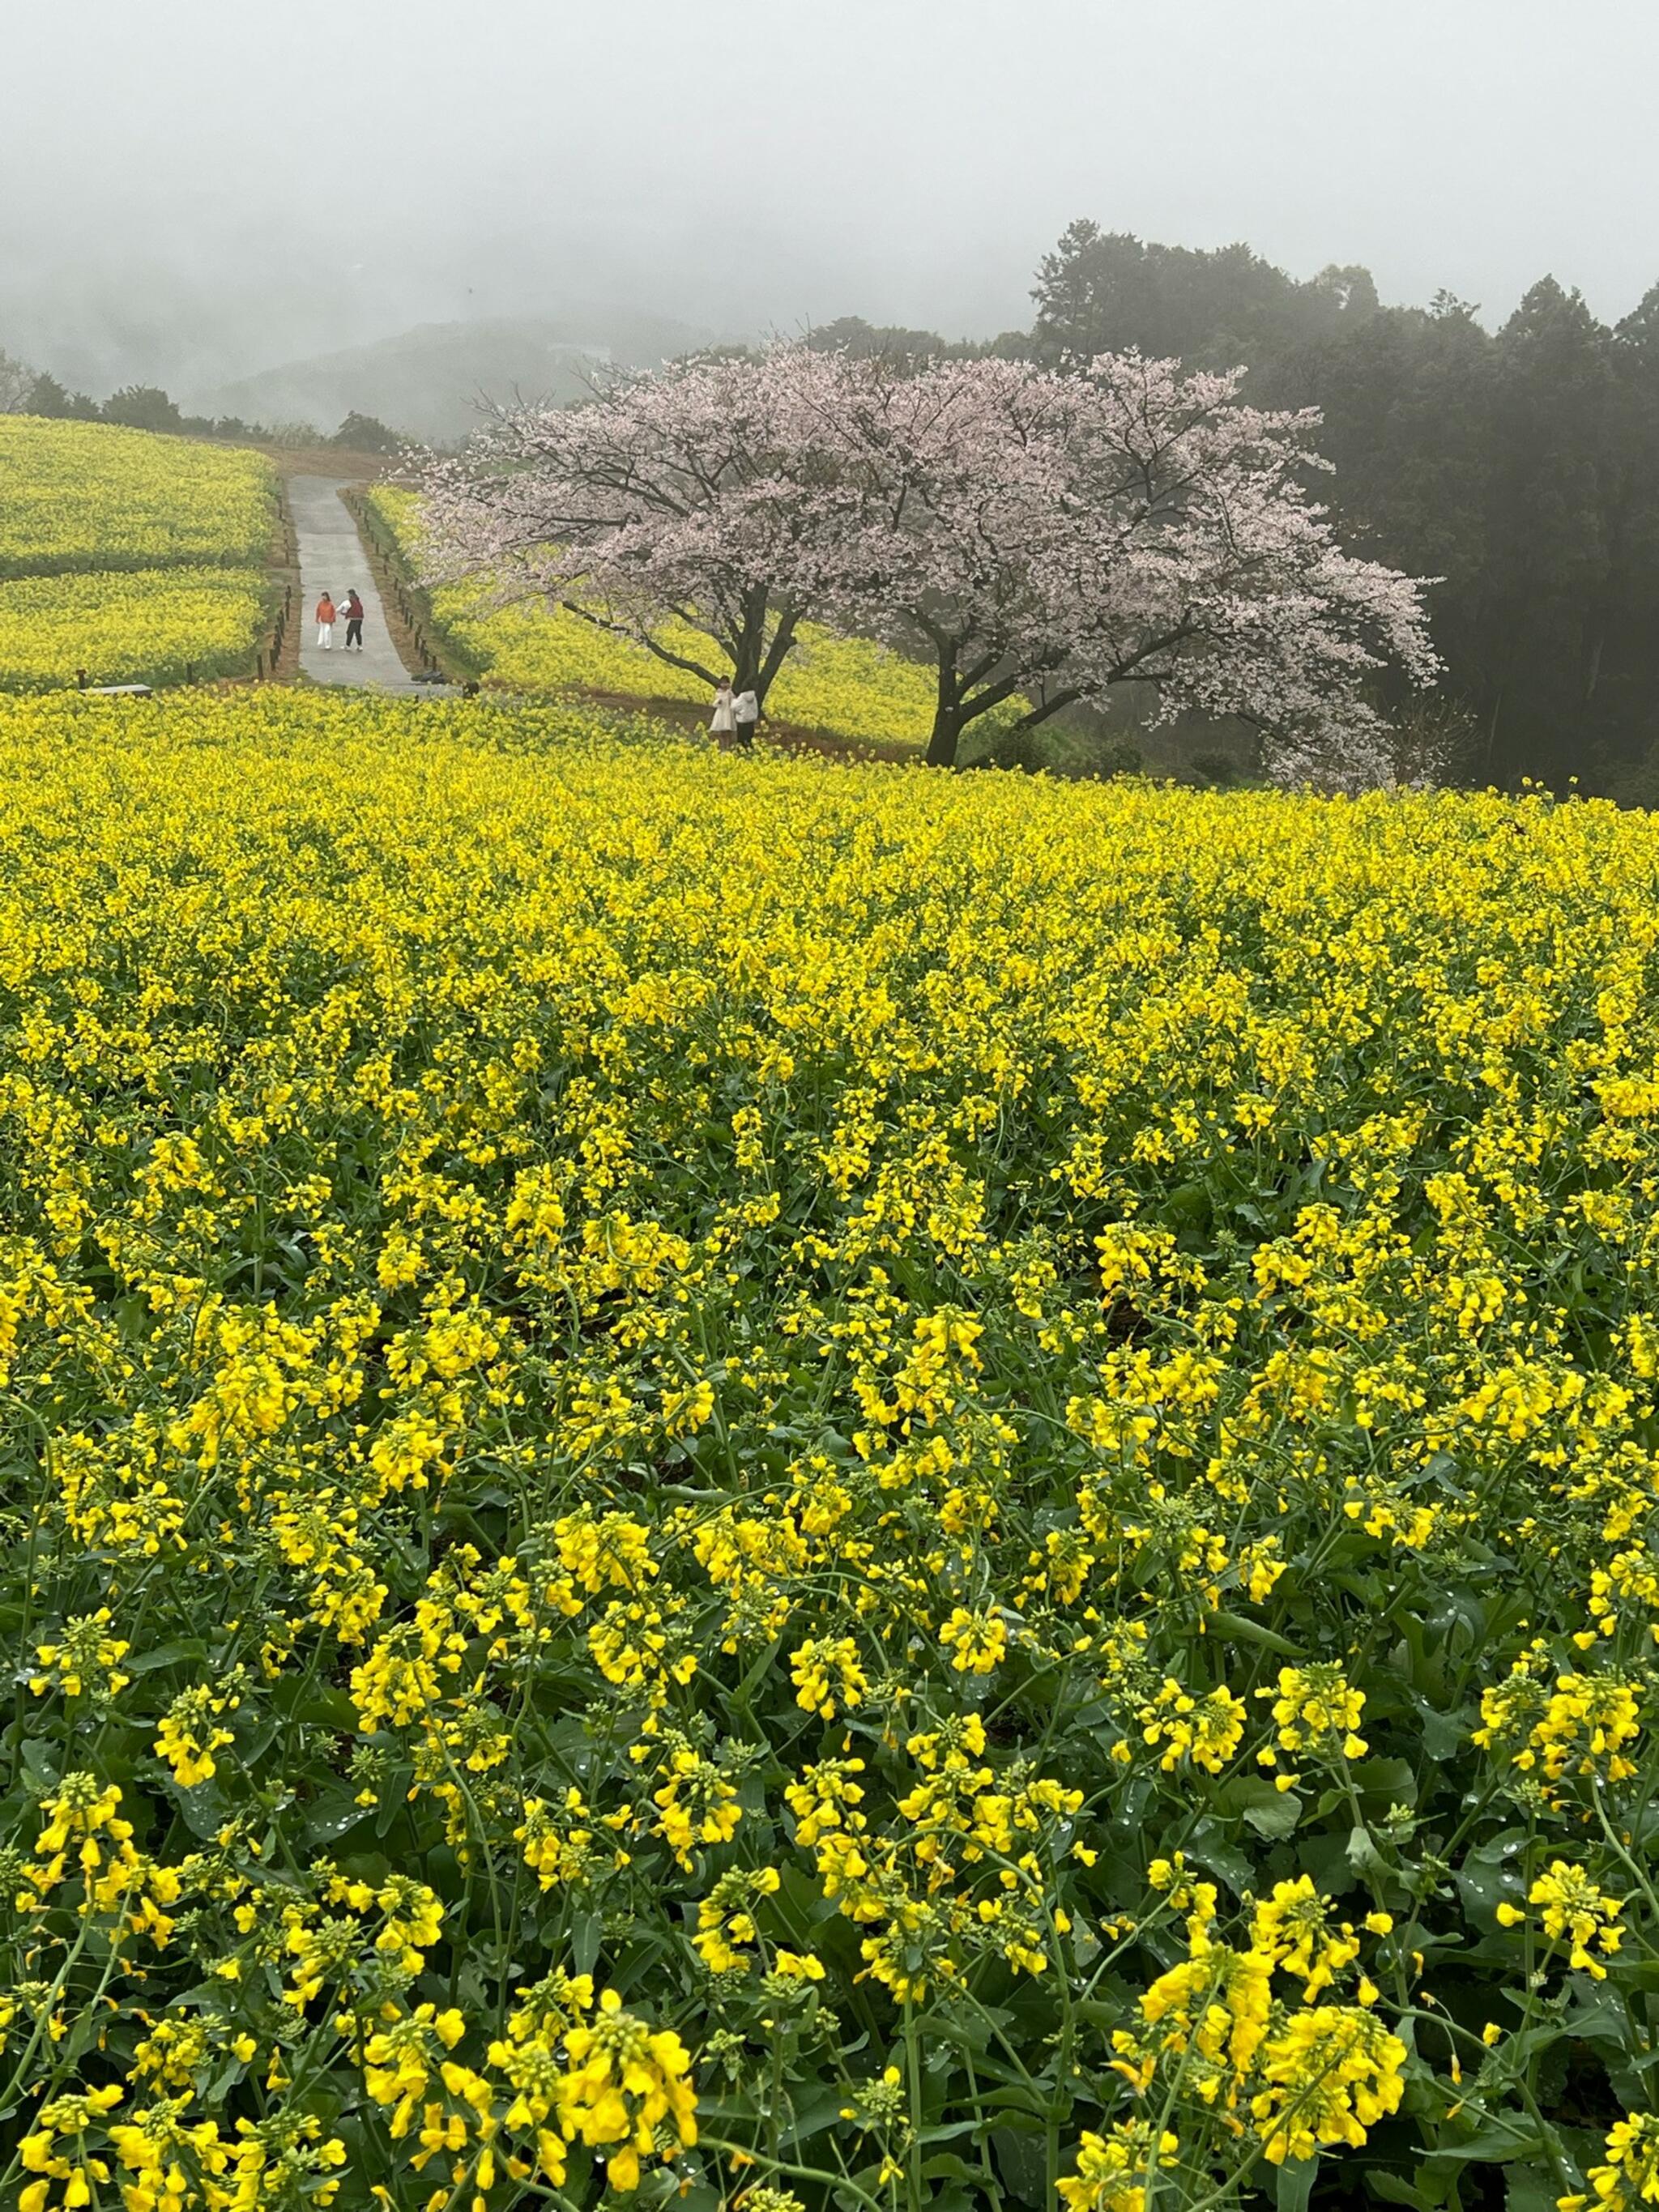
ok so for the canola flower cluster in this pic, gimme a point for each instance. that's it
(852, 686)
(806, 1486)
(83, 497)
(149, 625)
(130, 557)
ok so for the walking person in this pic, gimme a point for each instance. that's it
(724, 721)
(325, 622)
(745, 709)
(353, 611)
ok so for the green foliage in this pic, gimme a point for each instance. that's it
(47, 397)
(143, 407)
(367, 434)
(1103, 291)
(1519, 469)
(1215, 767)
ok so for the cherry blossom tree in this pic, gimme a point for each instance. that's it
(701, 493)
(1040, 535)
(1206, 569)
(963, 470)
(1044, 537)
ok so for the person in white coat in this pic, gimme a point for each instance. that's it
(723, 720)
(745, 708)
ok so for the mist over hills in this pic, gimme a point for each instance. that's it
(432, 380)
(356, 324)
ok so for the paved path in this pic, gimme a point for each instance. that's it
(332, 558)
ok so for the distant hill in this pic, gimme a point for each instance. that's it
(429, 382)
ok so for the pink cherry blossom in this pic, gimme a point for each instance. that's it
(1041, 536)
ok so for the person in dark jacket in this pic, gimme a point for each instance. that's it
(353, 611)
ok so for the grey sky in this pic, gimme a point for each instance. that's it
(229, 182)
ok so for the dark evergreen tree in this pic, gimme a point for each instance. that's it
(367, 434)
(48, 397)
(1521, 470)
(143, 407)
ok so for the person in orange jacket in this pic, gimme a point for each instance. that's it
(325, 622)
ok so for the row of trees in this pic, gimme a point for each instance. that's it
(1040, 535)
(1519, 467)
(27, 391)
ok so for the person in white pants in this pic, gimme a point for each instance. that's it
(325, 622)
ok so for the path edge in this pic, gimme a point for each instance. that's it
(410, 623)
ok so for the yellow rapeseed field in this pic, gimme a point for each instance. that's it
(152, 625)
(91, 495)
(816, 1486)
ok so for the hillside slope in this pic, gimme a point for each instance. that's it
(429, 380)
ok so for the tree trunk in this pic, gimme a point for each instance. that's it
(947, 712)
(755, 661)
(748, 645)
(771, 661)
(942, 745)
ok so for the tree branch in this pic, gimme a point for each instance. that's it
(644, 638)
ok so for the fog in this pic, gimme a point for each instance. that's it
(195, 192)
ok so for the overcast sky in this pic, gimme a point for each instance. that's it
(242, 182)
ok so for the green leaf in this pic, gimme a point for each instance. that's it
(1023, 2161)
(193, 1648)
(1442, 1732)
(968, 2033)
(1270, 1812)
(1223, 1623)
(1293, 2184)
(333, 1813)
(1362, 1855)
(1501, 2139)
(1393, 1781)
(1208, 1846)
(1598, 2014)
(1188, 1207)
(296, 1700)
(1276, 1819)
(585, 1939)
(1488, 1875)
(1325, 1856)
(811, 2114)
(40, 1761)
(1531, 2188)
(1395, 2191)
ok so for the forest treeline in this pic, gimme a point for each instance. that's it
(25, 390)
(1519, 465)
